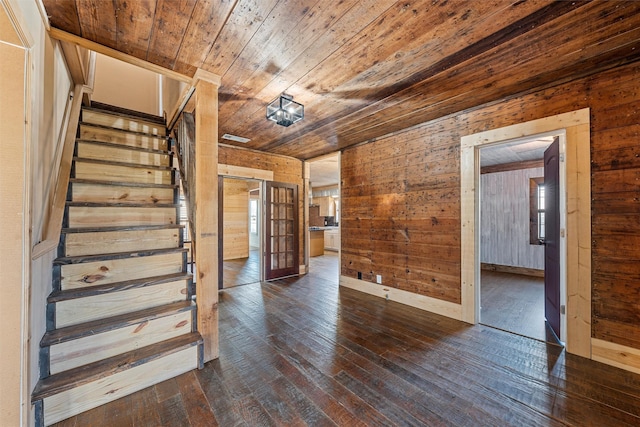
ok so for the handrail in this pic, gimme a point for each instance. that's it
(184, 133)
(56, 212)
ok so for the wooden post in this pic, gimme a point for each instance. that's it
(206, 210)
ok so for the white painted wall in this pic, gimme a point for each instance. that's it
(124, 85)
(504, 215)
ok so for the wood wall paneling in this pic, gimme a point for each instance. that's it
(235, 219)
(610, 199)
(284, 169)
(12, 193)
(505, 212)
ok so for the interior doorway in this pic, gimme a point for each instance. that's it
(241, 231)
(516, 221)
(324, 232)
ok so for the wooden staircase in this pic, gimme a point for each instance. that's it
(121, 316)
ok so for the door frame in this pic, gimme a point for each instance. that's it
(562, 211)
(576, 126)
(251, 174)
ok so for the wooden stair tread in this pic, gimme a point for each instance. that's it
(69, 294)
(121, 205)
(76, 377)
(69, 333)
(124, 147)
(99, 107)
(121, 228)
(80, 259)
(128, 165)
(132, 132)
(121, 183)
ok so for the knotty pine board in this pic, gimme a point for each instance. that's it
(93, 243)
(112, 153)
(110, 388)
(111, 216)
(78, 352)
(103, 272)
(79, 310)
(235, 219)
(118, 173)
(105, 193)
(93, 133)
(122, 122)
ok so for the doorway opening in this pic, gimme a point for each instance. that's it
(324, 216)
(521, 215)
(241, 231)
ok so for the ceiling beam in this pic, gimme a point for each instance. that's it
(107, 51)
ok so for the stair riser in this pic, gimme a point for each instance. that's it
(94, 243)
(107, 389)
(110, 153)
(80, 310)
(79, 352)
(87, 216)
(117, 173)
(93, 133)
(120, 194)
(84, 275)
(124, 123)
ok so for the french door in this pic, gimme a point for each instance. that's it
(281, 231)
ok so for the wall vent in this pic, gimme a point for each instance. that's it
(235, 138)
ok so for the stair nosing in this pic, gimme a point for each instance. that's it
(71, 294)
(133, 132)
(121, 183)
(72, 203)
(94, 327)
(135, 115)
(129, 165)
(124, 147)
(81, 259)
(87, 373)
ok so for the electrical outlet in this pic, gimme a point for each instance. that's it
(379, 279)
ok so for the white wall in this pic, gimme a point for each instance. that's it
(124, 85)
(504, 215)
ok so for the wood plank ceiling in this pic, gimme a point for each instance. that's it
(362, 68)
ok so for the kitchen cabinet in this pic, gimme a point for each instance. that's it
(316, 239)
(332, 239)
(326, 204)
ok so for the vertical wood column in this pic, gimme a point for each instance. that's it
(206, 212)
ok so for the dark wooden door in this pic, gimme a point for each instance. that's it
(552, 236)
(281, 232)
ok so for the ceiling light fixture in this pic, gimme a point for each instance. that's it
(285, 111)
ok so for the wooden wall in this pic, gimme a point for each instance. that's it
(401, 198)
(12, 194)
(285, 169)
(504, 214)
(235, 219)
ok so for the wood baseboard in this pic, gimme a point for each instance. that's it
(617, 355)
(433, 305)
(512, 269)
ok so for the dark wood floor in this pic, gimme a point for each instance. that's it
(242, 271)
(301, 351)
(514, 303)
